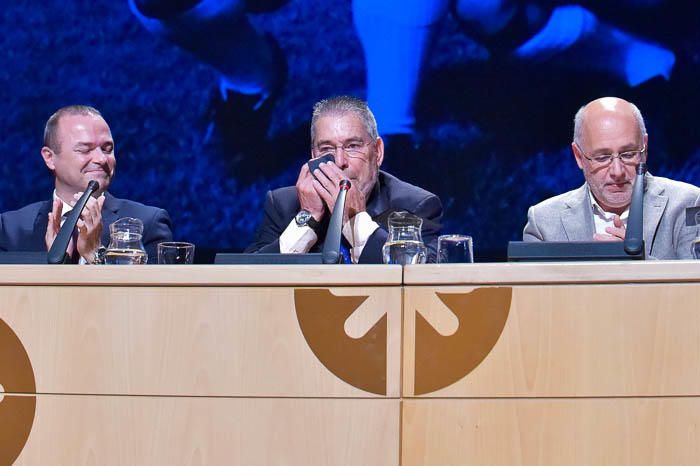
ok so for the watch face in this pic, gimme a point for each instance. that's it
(303, 217)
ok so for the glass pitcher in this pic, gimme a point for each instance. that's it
(125, 246)
(405, 244)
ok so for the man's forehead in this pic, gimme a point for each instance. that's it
(339, 126)
(83, 125)
(611, 125)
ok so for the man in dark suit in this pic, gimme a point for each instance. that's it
(78, 148)
(296, 217)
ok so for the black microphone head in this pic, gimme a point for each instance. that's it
(93, 185)
(345, 184)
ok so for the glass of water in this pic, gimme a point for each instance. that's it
(455, 249)
(174, 252)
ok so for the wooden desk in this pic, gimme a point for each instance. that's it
(202, 365)
(552, 364)
(477, 364)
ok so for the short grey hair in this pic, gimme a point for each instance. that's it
(580, 115)
(341, 105)
(51, 129)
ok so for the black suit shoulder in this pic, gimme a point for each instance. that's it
(406, 196)
(17, 227)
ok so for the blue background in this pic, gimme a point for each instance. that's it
(491, 137)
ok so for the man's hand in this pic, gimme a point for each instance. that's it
(54, 226)
(328, 188)
(90, 227)
(614, 233)
(309, 198)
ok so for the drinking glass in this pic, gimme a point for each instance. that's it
(455, 249)
(175, 252)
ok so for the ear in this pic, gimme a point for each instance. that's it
(577, 155)
(646, 144)
(380, 151)
(48, 155)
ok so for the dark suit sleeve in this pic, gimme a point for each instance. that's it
(156, 230)
(430, 210)
(272, 226)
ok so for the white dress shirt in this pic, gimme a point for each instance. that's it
(296, 239)
(604, 219)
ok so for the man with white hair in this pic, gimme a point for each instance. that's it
(296, 217)
(610, 140)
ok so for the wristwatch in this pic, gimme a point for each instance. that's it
(99, 258)
(305, 219)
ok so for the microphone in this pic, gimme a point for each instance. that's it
(634, 236)
(57, 253)
(331, 247)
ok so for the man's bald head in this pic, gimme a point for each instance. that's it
(599, 112)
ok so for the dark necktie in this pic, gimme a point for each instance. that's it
(345, 251)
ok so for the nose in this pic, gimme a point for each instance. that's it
(98, 156)
(341, 159)
(616, 169)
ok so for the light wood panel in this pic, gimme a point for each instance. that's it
(76, 430)
(239, 341)
(202, 275)
(551, 432)
(587, 340)
(553, 272)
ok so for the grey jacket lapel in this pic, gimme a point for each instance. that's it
(577, 216)
(655, 201)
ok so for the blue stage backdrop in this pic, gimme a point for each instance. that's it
(209, 101)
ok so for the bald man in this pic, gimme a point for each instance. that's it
(610, 140)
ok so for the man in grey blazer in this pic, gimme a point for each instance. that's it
(610, 140)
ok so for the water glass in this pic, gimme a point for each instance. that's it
(455, 249)
(175, 252)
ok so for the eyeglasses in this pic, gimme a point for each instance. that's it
(352, 149)
(630, 157)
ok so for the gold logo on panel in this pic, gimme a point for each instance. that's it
(360, 362)
(443, 360)
(16, 411)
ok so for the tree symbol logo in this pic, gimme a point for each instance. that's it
(439, 360)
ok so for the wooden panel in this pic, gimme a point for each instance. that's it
(119, 430)
(551, 432)
(588, 340)
(561, 272)
(195, 341)
(202, 275)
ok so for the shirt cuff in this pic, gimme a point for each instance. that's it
(357, 231)
(297, 240)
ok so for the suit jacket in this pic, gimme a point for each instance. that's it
(569, 217)
(24, 229)
(389, 195)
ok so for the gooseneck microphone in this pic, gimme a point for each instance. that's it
(57, 253)
(634, 236)
(331, 247)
